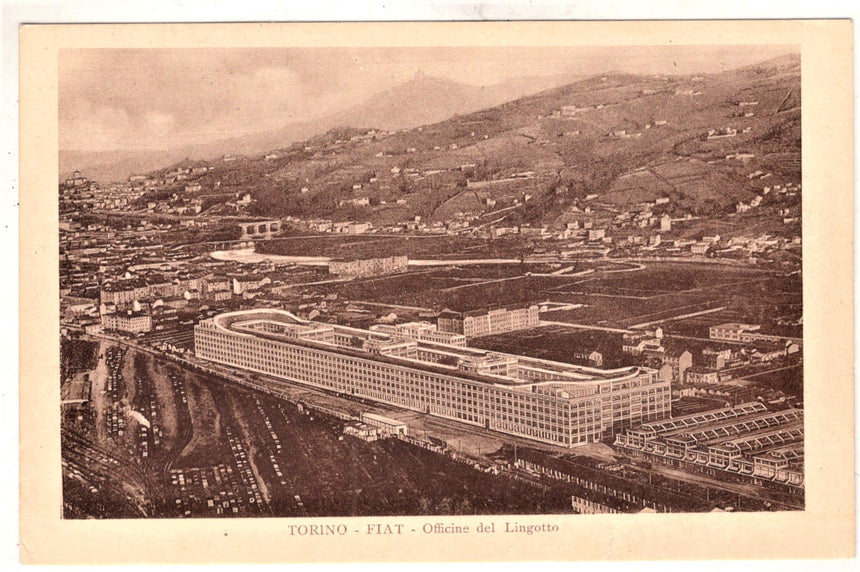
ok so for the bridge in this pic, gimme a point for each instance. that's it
(264, 229)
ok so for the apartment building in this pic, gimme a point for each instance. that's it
(489, 321)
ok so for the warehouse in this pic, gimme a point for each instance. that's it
(746, 440)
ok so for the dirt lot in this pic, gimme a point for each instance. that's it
(78, 355)
(459, 290)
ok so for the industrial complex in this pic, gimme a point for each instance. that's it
(747, 440)
(546, 401)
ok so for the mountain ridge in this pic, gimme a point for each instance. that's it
(420, 100)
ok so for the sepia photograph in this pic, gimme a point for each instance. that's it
(423, 284)
(551, 280)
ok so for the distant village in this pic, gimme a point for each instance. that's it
(589, 227)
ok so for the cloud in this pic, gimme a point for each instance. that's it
(158, 124)
(84, 126)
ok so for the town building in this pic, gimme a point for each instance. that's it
(351, 227)
(76, 180)
(716, 358)
(749, 333)
(702, 376)
(489, 321)
(700, 248)
(130, 321)
(124, 292)
(590, 356)
(642, 343)
(596, 234)
(361, 268)
(731, 332)
(386, 427)
(361, 430)
(550, 402)
(675, 363)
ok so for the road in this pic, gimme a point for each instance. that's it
(248, 256)
(482, 283)
(587, 327)
(680, 317)
(398, 306)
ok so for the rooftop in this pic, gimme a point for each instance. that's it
(282, 326)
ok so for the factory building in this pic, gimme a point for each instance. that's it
(550, 402)
(747, 333)
(421, 332)
(746, 440)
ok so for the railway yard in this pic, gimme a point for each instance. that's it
(167, 438)
(165, 441)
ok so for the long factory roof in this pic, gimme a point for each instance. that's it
(567, 373)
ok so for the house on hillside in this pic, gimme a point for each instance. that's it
(700, 248)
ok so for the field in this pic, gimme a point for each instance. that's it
(684, 298)
(671, 278)
(666, 291)
(463, 289)
(557, 343)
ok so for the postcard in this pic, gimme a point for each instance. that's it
(436, 291)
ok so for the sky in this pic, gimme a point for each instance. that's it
(164, 98)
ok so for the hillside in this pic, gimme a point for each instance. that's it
(424, 100)
(613, 141)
